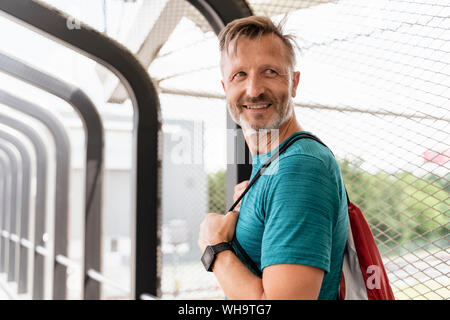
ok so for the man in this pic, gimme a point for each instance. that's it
(293, 221)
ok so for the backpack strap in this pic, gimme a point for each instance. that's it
(274, 156)
(289, 142)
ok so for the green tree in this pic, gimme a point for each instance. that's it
(217, 192)
(377, 198)
(426, 205)
(402, 209)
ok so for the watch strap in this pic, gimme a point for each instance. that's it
(209, 256)
(222, 247)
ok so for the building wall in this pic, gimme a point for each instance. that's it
(184, 193)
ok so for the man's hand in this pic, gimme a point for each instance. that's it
(238, 189)
(217, 228)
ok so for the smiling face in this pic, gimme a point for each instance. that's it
(259, 82)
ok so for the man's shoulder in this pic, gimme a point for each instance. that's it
(307, 149)
(305, 156)
(307, 146)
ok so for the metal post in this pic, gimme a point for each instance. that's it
(41, 199)
(219, 13)
(62, 147)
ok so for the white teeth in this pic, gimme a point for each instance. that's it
(258, 107)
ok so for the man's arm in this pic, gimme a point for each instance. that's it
(235, 279)
(281, 281)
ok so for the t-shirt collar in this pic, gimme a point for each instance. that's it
(259, 159)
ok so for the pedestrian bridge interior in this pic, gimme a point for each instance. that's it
(115, 139)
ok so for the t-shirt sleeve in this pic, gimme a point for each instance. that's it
(300, 204)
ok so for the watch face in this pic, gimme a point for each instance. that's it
(208, 257)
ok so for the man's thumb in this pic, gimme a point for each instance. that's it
(234, 215)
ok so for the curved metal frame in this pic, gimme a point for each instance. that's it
(40, 215)
(62, 148)
(25, 208)
(218, 12)
(9, 264)
(5, 179)
(3, 197)
(20, 165)
(94, 158)
(10, 196)
(146, 154)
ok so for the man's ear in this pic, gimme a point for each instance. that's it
(223, 86)
(295, 81)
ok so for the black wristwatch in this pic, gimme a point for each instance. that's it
(210, 253)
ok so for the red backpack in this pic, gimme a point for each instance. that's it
(363, 274)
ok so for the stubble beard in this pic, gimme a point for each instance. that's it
(282, 114)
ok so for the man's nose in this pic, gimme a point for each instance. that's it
(255, 86)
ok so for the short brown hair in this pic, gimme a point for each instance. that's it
(254, 27)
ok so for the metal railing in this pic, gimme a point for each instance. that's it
(62, 145)
(40, 213)
(94, 164)
(19, 189)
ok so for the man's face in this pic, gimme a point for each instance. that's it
(259, 83)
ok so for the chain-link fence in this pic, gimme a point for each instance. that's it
(194, 156)
(374, 87)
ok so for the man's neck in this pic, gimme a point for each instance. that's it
(264, 141)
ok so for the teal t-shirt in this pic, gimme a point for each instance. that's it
(296, 213)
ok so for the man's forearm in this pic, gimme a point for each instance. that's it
(236, 280)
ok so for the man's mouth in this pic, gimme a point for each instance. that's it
(257, 106)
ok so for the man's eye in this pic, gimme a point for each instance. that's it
(239, 74)
(271, 71)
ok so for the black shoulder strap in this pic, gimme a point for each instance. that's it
(274, 156)
(289, 142)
